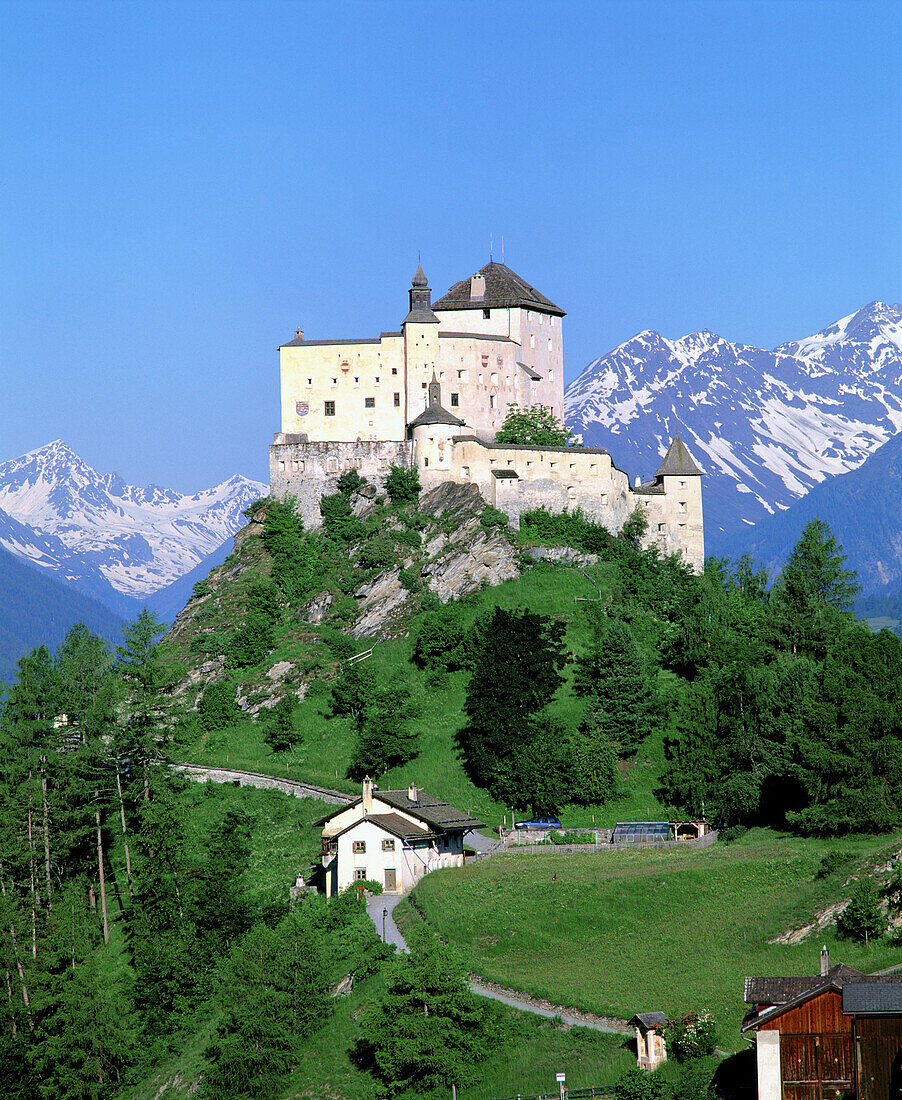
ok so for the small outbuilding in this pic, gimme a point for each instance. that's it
(876, 1012)
(651, 1049)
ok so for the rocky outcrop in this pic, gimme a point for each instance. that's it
(459, 556)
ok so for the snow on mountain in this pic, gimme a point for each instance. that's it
(97, 531)
(765, 425)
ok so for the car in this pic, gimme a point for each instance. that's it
(540, 823)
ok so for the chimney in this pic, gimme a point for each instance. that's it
(825, 961)
(299, 334)
(367, 796)
(412, 793)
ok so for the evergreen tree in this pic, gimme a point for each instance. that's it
(384, 738)
(221, 912)
(517, 657)
(427, 1030)
(279, 731)
(863, 917)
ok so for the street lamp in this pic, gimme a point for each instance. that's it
(384, 915)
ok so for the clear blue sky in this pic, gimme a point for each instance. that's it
(182, 185)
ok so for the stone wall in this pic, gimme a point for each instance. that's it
(309, 470)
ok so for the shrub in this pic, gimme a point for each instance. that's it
(213, 641)
(409, 538)
(410, 579)
(339, 521)
(296, 556)
(402, 484)
(695, 1081)
(378, 553)
(263, 598)
(340, 645)
(492, 517)
(833, 861)
(442, 640)
(252, 640)
(202, 588)
(566, 529)
(279, 730)
(350, 481)
(217, 707)
(639, 1084)
(863, 918)
(692, 1035)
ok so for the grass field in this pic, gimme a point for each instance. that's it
(671, 930)
(323, 755)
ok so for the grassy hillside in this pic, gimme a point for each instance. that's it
(325, 750)
(623, 932)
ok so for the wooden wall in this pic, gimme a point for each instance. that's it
(822, 1015)
(878, 1050)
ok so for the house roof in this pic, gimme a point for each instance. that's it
(772, 996)
(435, 813)
(651, 1019)
(873, 998)
(391, 823)
(504, 289)
(678, 461)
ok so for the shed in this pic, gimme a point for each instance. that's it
(651, 1050)
(876, 1011)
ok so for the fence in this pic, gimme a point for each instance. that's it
(593, 1092)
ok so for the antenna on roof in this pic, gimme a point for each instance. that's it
(491, 248)
(502, 251)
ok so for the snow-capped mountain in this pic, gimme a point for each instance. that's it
(765, 425)
(95, 531)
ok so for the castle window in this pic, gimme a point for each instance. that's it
(552, 465)
(662, 527)
(551, 376)
(309, 381)
(334, 381)
(491, 401)
(369, 402)
(397, 400)
(494, 377)
(425, 461)
(572, 465)
(462, 375)
(549, 343)
(455, 399)
(682, 505)
(359, 846)
(465, 470)
(682, 484)
(486, 314)
(330, 408)
(604, 500)
(394, 370)
(532, 339)
(681, 525)
(282, 466)
(529, 463)
(377, 379)
(424, 385)
(356, 381)
(388, 845)
(592, 467)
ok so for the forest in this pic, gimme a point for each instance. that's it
(122, 921)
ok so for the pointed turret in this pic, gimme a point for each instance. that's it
(678, 462)
(420, 300)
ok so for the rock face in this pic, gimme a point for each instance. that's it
(460, 557)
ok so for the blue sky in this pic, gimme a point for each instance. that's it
(183, 185)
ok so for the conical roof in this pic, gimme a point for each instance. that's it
(504, 289)
(419, 278)
(678, 461)
(435, 414)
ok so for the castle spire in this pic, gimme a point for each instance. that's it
(420, 299)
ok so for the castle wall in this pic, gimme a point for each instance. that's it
(675, 519)
(309, 470)
(348, 375)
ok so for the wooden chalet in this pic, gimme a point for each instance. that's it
(805, 1039)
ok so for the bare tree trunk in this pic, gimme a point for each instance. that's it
(91, 898)
(106, 925)
(19, 967)
(9, 995)
(46, 834)
(35, 900)
(128, 855)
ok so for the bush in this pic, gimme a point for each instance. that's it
(350, 481)
(378, 553)
(731, 833)
(278, 729)
(410, 579)
(442, 642)
(833, 861)
(692, 1035)
(409, 538)
(492, 517)
(566, 529)
(217, 707)
(339, 521)
(296, 556)
(402, 484)
(263, 598)
(695, 1081)
(252, 640)
(863, 918)
(202, 588)
(340, 645)
(639, 1084)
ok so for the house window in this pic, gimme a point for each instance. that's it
(359, 846)
(369, 402)
(359, 873)
(397, 400)
(486, 314)
(330, 408)
(388, 845)
(455, 399)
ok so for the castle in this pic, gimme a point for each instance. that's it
(435, 393)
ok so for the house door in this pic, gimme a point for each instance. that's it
(390, 885)
(815, 1067)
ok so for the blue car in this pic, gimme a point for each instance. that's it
(540, 823)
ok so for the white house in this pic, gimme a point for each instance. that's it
(392, 837)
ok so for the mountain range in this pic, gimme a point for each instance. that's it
(766, 426)
(115, 542)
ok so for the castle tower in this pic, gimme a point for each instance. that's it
(433, 433)
(421, 348)
(681, 520)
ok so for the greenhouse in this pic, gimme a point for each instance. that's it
(642, 832)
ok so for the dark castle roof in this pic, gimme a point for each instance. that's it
(435, 414)
(504, 289)
(678, 461)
